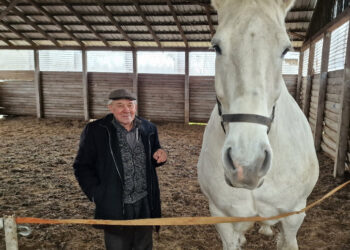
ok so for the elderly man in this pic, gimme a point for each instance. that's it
(116, 168)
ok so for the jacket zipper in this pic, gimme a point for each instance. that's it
(115, 163)
(150, 165)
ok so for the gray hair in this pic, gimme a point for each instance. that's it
(111, 101)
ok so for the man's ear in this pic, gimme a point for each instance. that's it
(217, 4)
(109, 106)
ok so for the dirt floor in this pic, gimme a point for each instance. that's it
(36, 180)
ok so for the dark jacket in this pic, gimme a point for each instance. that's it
(99, 171)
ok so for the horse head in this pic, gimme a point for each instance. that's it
(250, 42)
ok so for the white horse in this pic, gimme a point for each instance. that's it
(247, 166)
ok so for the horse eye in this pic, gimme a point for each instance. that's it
(217, 48)
(285, 52)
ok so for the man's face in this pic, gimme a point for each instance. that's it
(124, 111)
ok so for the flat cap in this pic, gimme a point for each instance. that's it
(121, 94)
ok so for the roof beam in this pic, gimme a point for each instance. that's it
(296, 35)
(116, 24)
(6, 41)
(210, 22)
(81, 19)
(18, 33)
(30, 22)
(146, 22)
(172, 10)
(8, 8)
(49, 16)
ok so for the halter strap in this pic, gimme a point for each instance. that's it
(251, 118)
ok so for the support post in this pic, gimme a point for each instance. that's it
(321, 102)
(37, 86)
(309, 81)
(10, 227)
(135, 81)
(85, 86)
(300, 79)
(344, 117)
(187, 89)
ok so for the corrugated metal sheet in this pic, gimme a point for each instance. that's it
(318, 56)
(192, 17)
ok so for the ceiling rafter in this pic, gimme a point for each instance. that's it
(294, 34)
(49, 16)
(81, 19)
(210, 22)
(6, 41)
(173, 12)
(146, 22)
(8, 8)
(116, 24)
(30, 22)
(13, 30)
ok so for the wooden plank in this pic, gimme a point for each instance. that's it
(329, 142)
(332, 106)
(330, 133)
(308, 83)
(332, 116)
(187, 89)
(17, 75)
(336, 74)
(298, 95)
(85, 86)
(328, 151)
(333, 98)
(322, 88)
(37, 86)
(344, 118)
(331, 124)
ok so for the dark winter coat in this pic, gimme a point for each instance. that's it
(99, 170)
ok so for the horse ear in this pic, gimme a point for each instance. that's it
(287, 4)
(217, 3)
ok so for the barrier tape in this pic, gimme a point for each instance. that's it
(175, 221)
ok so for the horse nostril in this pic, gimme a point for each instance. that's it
(266, 164)
(229, 159)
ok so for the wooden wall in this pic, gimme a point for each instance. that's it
(161, 97)
(17, 93)
(302, 92)
(332, 112)
(202, 98)
(100, 85)
(291, 83)
(315, 86)
(62, 94)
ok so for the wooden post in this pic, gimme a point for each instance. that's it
(37, 85)
(187, 89)
(135, 81)
(10, 227)
(300, 78)
(322, 91)
(344, 117)
(85, 86)
(309, 80)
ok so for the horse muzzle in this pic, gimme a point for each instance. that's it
(249, 175)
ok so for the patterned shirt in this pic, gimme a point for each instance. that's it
(134, 162)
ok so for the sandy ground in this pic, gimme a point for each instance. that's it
(36, 180)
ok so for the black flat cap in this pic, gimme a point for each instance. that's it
(121, 94)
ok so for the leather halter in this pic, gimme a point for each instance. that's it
(259, 119)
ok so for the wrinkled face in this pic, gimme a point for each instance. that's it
(124, 111)
(250, 42)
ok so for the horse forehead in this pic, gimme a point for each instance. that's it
(250, 17)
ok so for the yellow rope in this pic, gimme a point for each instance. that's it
(176, 221)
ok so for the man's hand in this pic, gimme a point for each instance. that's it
(160, 156)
